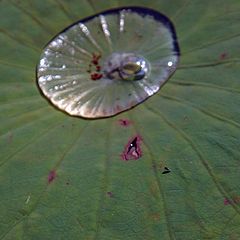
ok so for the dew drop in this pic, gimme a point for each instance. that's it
(108, 63)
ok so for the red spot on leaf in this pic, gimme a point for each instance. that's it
(235, 200)
(124, 122)
(227, 201)
(95, 62)
(98, 68)
(223, 56)
(51, 176)
(96, 76)
(95, 58)
(132, 151)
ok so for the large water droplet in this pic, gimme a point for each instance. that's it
(108, 63)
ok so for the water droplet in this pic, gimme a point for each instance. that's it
(109, 62)
(126, 66)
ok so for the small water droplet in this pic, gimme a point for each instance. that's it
(126, 66)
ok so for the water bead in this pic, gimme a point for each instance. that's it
(108, 63)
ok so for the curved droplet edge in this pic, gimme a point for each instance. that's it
(137, 9)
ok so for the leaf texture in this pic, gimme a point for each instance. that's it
(63, 177)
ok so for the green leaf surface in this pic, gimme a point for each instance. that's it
(62, 177)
